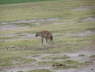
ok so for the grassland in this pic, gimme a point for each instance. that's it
(45, 9)
(18, 1)
(71, 22)
(40, 70)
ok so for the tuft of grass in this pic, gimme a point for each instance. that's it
(55, 57)
(19, 43)
(13, 58)
(20, 71)
(82, 55)
(40, 70)
(11, 61)
(92, 56)
(66, 64)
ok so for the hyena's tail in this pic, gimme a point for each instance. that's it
(51, 37)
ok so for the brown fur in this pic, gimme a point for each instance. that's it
(45, 35)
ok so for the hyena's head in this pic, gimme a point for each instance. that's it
(37, 34)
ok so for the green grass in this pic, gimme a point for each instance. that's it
(19, 71)
(19, 49)
(20, 44)
(40, 70)
(4, 38)
(62, 28)
(55, 57)
(18, 1)
(67, 64)
(37, 70)
(46, 9)
(92, 56)
(13, 61)
(14, 58)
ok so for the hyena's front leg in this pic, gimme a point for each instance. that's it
(47, 42)
(43, 44)
(42, 40)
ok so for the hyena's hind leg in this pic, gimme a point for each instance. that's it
(51, 39)
(47, 41)
(51, 42)
(43, 43)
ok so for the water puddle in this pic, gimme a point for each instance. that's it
(81, 34)
(32, 20)
(83, 8)
(88, 19)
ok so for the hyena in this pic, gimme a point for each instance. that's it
(45, 35)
